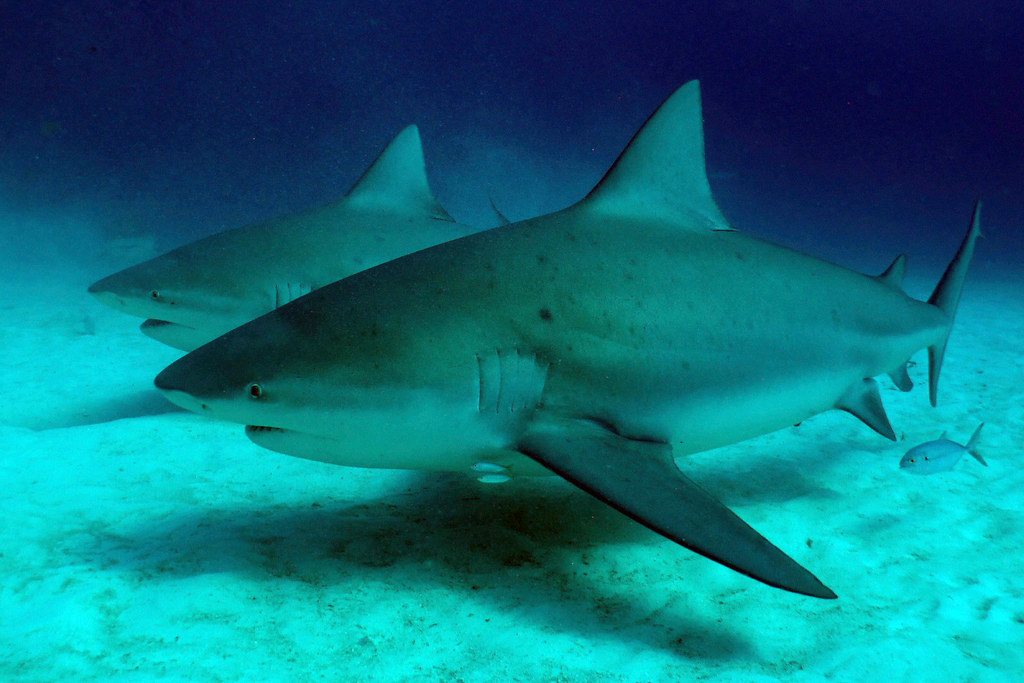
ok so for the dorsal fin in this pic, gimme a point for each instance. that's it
(893, 275)
(398, 178)
(661, 172)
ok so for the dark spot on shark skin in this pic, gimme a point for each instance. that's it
(541, 258)
(545, 314)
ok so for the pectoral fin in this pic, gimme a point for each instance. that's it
(641, 480)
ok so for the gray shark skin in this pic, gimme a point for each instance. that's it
(599, 342)
(201, 290)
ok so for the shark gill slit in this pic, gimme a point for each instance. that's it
(509, 381)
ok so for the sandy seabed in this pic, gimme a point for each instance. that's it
(144, 543)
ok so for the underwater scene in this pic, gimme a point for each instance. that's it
(447, 341)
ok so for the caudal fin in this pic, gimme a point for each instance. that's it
(972, 445)
(947, 297)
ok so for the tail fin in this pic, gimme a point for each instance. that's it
(972, 445)
(947, 296)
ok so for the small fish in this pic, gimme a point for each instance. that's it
(940, 455)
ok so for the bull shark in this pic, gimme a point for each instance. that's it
(201, 290)
(599, 342)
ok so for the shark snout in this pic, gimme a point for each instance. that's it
(105, 293)
(207, 383)
(182, 386)
(173, 386)
(183, 400)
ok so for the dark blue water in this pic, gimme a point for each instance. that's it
(856, 129)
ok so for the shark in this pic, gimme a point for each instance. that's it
(199, 291)
(600, 343)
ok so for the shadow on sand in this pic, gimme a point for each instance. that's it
(538, 549)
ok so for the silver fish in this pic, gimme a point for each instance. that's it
(940, 455)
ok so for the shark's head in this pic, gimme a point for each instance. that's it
(334, 381)
(201, 290)
(196, 290)
(144, 290)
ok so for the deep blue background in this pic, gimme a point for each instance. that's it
(853, 130)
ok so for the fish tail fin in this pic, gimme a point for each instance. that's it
(946, 297)
(972, 445)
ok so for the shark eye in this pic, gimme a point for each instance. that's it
(255, 391)
(154, 295)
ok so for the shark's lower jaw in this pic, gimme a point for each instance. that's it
(274, 439)
(297, 444)
(176, 335)
(267, 437)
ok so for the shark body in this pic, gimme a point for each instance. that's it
(201, 290)
(599, 342)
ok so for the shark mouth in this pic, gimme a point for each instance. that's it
(153, 322)
(261, 429)
(268, 437)
(297, 444)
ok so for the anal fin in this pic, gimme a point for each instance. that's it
(901, 378)
(641, 480)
